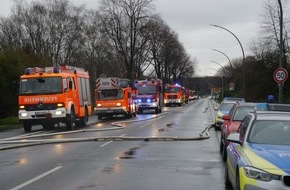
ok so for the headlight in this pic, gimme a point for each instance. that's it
(99, 105)
(58, 112)
(21, 107)
(148, 100)
(118, 104)
(255, 173)
(24, 114)
(139, 100)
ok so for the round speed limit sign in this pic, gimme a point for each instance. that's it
(280, 75)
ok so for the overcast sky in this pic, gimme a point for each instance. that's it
(192, 19)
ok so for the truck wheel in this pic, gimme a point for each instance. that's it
(70, 125)
(84, 120)
(128, 115)
(27, 126)
(157, 110)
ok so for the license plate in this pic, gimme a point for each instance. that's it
(40, 113)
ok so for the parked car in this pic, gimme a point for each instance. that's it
(258, 155)
(224, 108)
(232, 122)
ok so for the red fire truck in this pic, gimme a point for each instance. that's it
(150, 95)
(54, 94)
(174, 95)
(114, 96)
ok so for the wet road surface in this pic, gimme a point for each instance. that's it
(123, 164)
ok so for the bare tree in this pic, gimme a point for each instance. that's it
(124, 22)
(52, 29)
(270, 26)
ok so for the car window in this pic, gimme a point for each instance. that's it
(244, 126)
(270, 132)
(232, 110)
(241, 112)
(226, 106)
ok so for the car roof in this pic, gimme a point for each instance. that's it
(245, 104)
(228, 102)
(235, 99)
(271, 115)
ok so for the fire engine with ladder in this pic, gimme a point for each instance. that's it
(51, 95)
(150, 95)
(114, 96)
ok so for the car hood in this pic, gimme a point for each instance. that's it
(271, 158)
(225, 111)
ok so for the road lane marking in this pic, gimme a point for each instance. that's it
(102, 145)
(36, 178)
(145, 125)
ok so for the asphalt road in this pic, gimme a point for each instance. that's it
(134, 157)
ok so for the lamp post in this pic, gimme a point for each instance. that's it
(281, 50)
(219, 65)
(244, 59)
(226, 57)
(222, 80)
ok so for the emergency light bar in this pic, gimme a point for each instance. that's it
(29, 71)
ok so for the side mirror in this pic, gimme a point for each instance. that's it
(234, 138)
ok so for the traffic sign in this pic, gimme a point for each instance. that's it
(280, 75)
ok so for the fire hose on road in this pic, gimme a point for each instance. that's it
(25, 141)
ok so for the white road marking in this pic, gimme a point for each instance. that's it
(102, 145)
(145, 125)
(106, 143)
(36, 178)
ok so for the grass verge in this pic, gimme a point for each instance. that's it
(9, 123)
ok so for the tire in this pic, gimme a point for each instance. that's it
(84, 120)
(70, 124)
(216, 127)
(224, 153)
(237, 180)
(128, 115)
(157, 110)
(227, 180)
(134, 114)
(27, 126)
(221, 143)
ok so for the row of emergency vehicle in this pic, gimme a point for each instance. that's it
(51, 95)
(177, 95)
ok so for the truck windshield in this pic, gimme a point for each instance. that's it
(172, 89)
(146, 90)
(45, 85)
(110, 94)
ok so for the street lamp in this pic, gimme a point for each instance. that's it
(219, 65)
(244, 59)
(281, 50)
(226, 57)
(222, 78)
